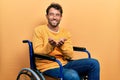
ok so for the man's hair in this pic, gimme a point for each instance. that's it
(56, 6)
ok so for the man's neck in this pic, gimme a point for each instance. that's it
(55, 29)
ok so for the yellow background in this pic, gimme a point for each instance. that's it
(94, 24)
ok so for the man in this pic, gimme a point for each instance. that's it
(51, 39)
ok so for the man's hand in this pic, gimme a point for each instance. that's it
(56, 44)
(61, 42)
(52, 42)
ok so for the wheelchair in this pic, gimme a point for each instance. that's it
(33, 74)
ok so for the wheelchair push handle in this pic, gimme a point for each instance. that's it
(38, 55)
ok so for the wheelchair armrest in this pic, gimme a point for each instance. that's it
(82, 49)
(52, 58)
(79, 48)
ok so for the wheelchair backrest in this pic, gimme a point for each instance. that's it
(31, 54)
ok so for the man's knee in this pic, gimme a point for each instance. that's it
(95, 63)
(71, 75)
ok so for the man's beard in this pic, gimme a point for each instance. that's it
(54, 25)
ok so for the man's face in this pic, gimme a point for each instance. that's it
(54, 16)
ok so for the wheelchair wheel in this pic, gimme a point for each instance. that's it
(29, 74)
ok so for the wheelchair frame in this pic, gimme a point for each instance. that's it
(37, 74)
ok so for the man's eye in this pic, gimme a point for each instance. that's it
(57, 14)
(51, 14)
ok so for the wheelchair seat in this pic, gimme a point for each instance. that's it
(33, 74)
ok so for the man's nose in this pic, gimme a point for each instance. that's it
(54, 17)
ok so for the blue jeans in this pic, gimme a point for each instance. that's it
(77, 68)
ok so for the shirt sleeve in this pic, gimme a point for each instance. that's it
(67, 48)
(40, 42)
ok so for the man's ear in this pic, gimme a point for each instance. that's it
(61, 17)
(46, 16)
